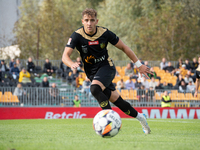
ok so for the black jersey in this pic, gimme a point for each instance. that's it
(92, 48)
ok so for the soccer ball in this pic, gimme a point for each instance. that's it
(107, 123)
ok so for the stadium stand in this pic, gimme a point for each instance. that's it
(38, 96)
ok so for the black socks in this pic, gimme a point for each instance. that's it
(125, 107)
(100, 96)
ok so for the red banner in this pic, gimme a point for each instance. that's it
(90, 112)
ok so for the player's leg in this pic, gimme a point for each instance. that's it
(97, 91)
(116, 99)
(100, 81)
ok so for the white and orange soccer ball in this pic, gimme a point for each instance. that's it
(107, 123)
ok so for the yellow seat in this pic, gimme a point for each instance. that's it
(4, 98)
(125, 94)
(133, 95)
(14, 98)
(8, 94)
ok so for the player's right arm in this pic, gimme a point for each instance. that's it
(71, 44)
(67, 60)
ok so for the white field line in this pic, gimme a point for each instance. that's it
(164, 120)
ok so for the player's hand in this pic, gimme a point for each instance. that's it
(195, 94)
(144, 70)
(75, 65)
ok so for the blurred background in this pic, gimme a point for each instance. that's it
(152, 28)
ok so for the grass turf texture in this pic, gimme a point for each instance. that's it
(78, 134)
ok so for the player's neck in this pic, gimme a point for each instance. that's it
(90, 34)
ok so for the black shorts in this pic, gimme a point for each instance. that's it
(105, 75)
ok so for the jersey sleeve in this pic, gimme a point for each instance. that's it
(73, 40)
(112, 37)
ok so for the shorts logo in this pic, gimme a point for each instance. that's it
(104, 103)
(93, 42)
(84, 48)
(102, 45)
(69, 41)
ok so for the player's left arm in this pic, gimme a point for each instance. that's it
(142, 68)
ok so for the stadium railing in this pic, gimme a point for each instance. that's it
(40, 97)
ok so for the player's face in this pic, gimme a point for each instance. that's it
(89, 23)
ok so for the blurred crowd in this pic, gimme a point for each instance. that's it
(15, 74)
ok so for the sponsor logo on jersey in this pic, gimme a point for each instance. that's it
(102, 45)
(84, 48)
(93, 42)
(69, 41)
(100, 59)
(88, 58)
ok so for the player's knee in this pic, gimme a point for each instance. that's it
(95, 89)
(107, 92)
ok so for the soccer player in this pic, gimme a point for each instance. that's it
(197, 78)
(91, 42)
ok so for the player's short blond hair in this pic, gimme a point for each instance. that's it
(89, 12)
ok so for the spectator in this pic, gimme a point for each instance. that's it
(141, 94)
(19, 64)
(141, 61)
(182, 87)
(135, 72)
(169, 68)
(138, 83)
(194, 64)
(54, 95)
(14, 71)
(3, 66)
(146, 63)
(79, 81)
(65, 69)
(190, 88)
(159, 86)
(0, 76)
(154, 73)
(11, 63)
(166, 100)
(183, 70)
(153, 83)
(121, 85)
(86, 86)
(76, 101)
(187, 64)
(187, 79)
(72, 77)
(178, 81)
(30, 65)
(45, 82)
(80, 68)
(20, 92)
(150, 94)
(132, 64)
(179, 64)
(24, 76)
(145, 82)
(47, 67)
(165, 86)
(128, 70)
(163, 64)
(130, 85)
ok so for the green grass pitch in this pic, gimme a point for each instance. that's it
(78, 134)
